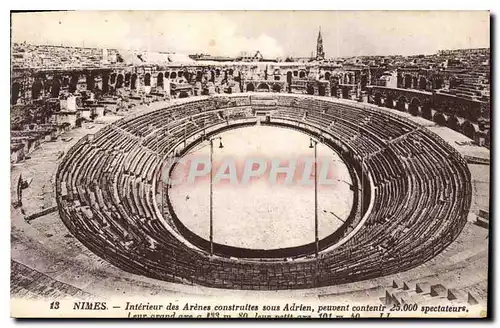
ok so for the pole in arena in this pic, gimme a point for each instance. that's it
(212, 192)
(315, 146)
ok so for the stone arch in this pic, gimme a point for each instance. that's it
(127, 79)
(469, 130)
(105, 83)
(333, 92)
(345, 93)
(407, 84)
(173, 75)
(302, 75)
(438, 83)
(327, 76)
(439, 118)
(310, 89)
(389, 101)
(453, 123)
(90, 81)
(133, 82)
(415, 82)
(167, 75)
(377, 99)
(364, 81)
(55, 88)
(289, 77)
(401, 104)
(147, 79)
(422, 83)
(119, 81)
(15, 93)
(159, 80)
(427, 111)
(112, 78)
(250, 87)
(276, 88)
(321, 90)
(65, 82)
(263, 87)
(36, 88)
(413, 107)
(73, 84)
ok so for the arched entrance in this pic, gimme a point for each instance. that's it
(302, 74)
(15, 92)
(159, 80)
(263, 87)
(250, 87)
(127, 80)
(469, 130)
(327, 76)
(289, 80)
(310, 89)
(401, 105)
(173, 75)
(438, 83)
(422, 84)
(36, 89)
(55, 88)
(105, 83)
(180, 74)
(345, 93)
(413, 107)
(90, 81)
(276, 88)
(147, 80)
(321, 90)
(439, 119)
(427, 111)
(407, 81)
(119, 81)
(333, 92)
(389, 101)
(112, 78)
(133, 81)
(73, 84)
(453, 123)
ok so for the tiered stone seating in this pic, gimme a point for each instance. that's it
(419, 196)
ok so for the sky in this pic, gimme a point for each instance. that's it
(273, 33)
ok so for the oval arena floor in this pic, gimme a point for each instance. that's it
(421, 193)
(263, 214)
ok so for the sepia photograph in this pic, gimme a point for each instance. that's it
(250, 164)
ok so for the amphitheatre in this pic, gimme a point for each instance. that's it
(97, 219)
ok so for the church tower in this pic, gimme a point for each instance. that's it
(320, 54)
